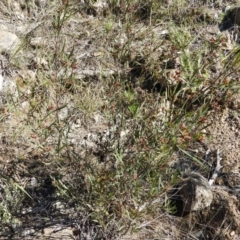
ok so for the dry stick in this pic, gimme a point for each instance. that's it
(217, 169)
(234, 190)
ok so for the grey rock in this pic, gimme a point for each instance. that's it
(8, 87)
(231, 18)
(235, 14)
(195, 192)
(8, 41)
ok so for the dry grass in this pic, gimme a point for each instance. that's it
(114, 97)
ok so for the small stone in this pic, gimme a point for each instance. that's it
(37, 42)
(7, 87)
(8, 41)
(25, 106)
(59, 205)
(194, 192)
(33, 182)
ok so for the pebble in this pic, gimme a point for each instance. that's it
(8, 42)
(37, 42)
(195, 193)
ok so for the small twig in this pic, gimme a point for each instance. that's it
(5, 70)
(207, 155)
(217, 169)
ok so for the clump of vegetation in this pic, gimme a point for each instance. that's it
(114, 97)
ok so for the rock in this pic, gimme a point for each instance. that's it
(8, 41)
(194, 193)
(231, 17)
(33, 182)
(235, 15)
(37, 42)
(7, 86)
